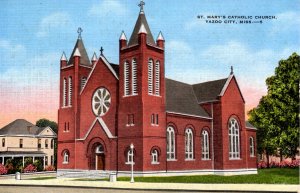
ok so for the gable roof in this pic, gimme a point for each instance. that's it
(20, 127)
(180, 98)
(84, 59)
(209, 91)
(250, 126)
(135, 33)
(114, 69)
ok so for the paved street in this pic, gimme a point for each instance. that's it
(10, 189)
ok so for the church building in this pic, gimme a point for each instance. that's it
(112, 116)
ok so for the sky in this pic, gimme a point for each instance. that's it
(33, 35)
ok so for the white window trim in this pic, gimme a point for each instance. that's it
(252, 151)
(66, 158)
(171, 137)
(189, 144)
(126, 79)
(205, 146)
(234, 139)
(157, 78)
(64, 93)
(134, 83)
(130, 153)
(154, 157)
(150, 77)
(70, 92)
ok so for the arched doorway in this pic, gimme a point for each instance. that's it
(99, 158)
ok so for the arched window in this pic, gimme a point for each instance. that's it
(189, 144)
(126, 79)
(83, 82)
(205, 145)
(99, 149)
(46, 143)
(70, 91)
(130, 158)
(64, 92)
(154, 156)
(52, 143)
(234, 139)
(3, 142)
(66, 155)
(150, 76)
(170, 143)
(157, 78)
(251, 140)
(134, 77)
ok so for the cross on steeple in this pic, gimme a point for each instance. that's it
(231, 70)
(79, 32)
(141, 5)
(101, 51)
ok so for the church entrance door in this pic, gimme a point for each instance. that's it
(100, 161)
(99, 158)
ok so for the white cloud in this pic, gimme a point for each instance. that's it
(52, 22)
(108, 7)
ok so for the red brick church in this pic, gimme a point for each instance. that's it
(175, 128)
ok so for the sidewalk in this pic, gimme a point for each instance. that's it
(67, 182)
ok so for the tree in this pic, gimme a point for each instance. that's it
(277, 115)
(44, 123)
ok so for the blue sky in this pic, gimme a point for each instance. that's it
(35, 33)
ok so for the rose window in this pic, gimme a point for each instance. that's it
(101, 101)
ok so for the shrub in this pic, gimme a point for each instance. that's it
(30, 168)
(3, 169)
(39, 165)
(10, 168)
(282, 164)
(50, 168)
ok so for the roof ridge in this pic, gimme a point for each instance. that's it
(210, 81)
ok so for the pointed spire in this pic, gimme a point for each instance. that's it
(160, 36)
(123, 36)
(231, 70)
(77, 53)
(142, 29)
(94, 58)
(141, 20)
(63, 57)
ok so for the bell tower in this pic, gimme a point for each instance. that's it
(142, 116)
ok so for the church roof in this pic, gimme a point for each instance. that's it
(209, 91)
(180, 98)
(20, 127)
(141, 21)
(84, 59)
(250, 126)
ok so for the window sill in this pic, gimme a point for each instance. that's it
(190, 160)
(129, 125)
(154, 125)
(252, 156)
(65, 107)
(171, 160)
(154, 163)
(235, 159)
(129, 163)
(65, 163)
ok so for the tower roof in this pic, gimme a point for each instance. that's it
(84, 58)
(135, 34)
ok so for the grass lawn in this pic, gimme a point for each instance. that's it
(264, 176)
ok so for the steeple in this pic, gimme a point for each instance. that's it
(84, 58)
(63, 57)
(141, 21)
(123, 36)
